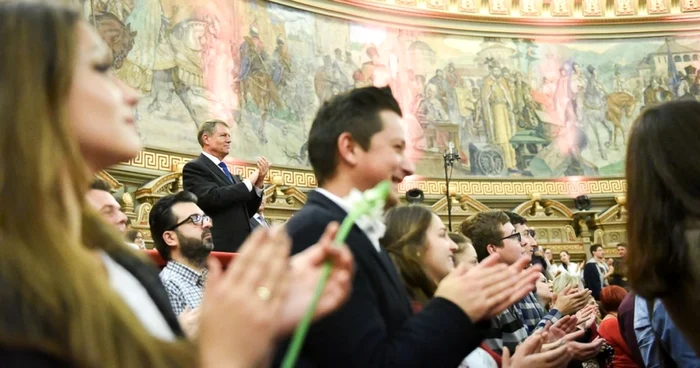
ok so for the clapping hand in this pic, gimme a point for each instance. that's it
(489, 288)
(263, 168)
(240, 314)
(530, 354)
(189, 322)
(305, 274)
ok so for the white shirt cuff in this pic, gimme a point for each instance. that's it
(258, 191)
(248, 184)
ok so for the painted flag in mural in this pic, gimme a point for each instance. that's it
(672, 71)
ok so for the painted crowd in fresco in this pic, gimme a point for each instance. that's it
(512, 107)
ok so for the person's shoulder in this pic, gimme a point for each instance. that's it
(169, 278)
(307, 226)
(197, 161)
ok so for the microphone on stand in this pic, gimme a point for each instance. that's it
(451, 154)
(450, 157)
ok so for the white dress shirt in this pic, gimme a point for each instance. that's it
(137, 299)
(247, 182)
(260, 219)
(373, 229)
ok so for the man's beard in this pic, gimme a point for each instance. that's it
(196, 250)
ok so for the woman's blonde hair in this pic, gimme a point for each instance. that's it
(565, 280)
(55, 295)
(405, 242)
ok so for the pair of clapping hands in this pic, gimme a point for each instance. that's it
(555, 345)
(257, 178)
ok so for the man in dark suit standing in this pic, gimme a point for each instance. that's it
(357, 140)
(229, 200)
(259, 218)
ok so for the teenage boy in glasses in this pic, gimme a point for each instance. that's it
(533, 315)
(492, 232)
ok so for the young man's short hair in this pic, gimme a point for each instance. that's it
(515, 219)
(595, 247)
(162, 218)
(483, 229)
(355, 112)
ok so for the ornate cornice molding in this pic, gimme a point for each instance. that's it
(417, 15)
(477, 186)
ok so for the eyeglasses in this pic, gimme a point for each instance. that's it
(515, 236)
(196, 219)
(529, 232)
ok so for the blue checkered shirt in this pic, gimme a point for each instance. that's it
(184, 285)
(533, 315)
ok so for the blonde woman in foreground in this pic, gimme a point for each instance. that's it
(65, 117)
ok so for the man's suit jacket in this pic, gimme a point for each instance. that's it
(254, 223)
(376, 326)
(230, 205)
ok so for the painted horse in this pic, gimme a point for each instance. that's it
(119, 37)
(619, 103)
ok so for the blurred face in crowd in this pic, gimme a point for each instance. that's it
(599, 253)
(107, 206)
(544, 290)
(466, 256)
(621, 251)
(548, 255)
(101, 106)
(564, 257)
(139, 239)
(438, 260)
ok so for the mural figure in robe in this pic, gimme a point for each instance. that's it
(498, 113)
(595, 108)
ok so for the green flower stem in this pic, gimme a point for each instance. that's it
(372, 199)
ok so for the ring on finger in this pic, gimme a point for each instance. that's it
(263, 293)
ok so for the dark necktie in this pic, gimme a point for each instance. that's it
(228, 173)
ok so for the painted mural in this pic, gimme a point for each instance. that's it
(511, 107)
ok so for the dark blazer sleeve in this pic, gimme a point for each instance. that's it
(198, 179)
(441, 335)
(591, 276)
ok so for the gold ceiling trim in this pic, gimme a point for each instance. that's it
(491, 187)
(418, 17)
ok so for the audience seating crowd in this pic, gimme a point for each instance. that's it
(79, 288)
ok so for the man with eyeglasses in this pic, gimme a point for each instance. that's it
(182, 235)
(531, 312)
(492, 232)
